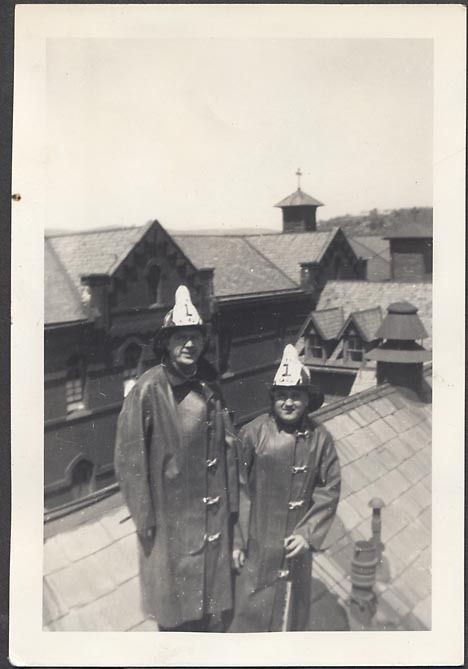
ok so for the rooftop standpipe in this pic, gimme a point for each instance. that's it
(400, 357)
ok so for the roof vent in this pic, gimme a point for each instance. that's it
(399, 357)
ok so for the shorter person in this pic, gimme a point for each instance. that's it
(289, 492)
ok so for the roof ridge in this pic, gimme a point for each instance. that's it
(271, 263)
(331, 234)
(363, 311)
(375, 253)
(75, 233)
(144, 229)
(321, 311)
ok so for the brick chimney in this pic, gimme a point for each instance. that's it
(399, 357)
(411, 253)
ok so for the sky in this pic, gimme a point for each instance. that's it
(208, 133)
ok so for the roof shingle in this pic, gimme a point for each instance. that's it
(359, 295)
(238, 266)
(383, 439)
(62, 300)
(288, 250)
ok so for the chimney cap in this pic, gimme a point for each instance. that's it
(402, 308)
(401, 356)
(401, 323)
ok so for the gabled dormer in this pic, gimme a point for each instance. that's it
(317, 338)
(358, 335)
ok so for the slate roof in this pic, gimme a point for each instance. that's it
(383, 438)
(239, 268)
(328, 321)
(62, 299)
(288, 250)
(367, 322)
(95, 252)
(243, 264)
(299, 199)
(360, 295)
(69, 256)
(376, 251)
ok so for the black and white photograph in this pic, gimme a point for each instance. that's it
(242, 321)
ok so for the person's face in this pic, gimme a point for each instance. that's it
(290, 404)
(185, 345)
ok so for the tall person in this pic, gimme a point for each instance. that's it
(289, 492)
(176, 464)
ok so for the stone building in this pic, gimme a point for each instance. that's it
(107, 291)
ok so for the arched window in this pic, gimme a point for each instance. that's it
(131, 361)
(82, 479)
(75, 383)
(153, 278)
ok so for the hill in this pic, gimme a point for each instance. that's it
(379, 223)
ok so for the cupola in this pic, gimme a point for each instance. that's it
(299, 210)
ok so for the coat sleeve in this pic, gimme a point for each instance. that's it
(231, 440)
(131, 458)
(325, 497)
(246, 457)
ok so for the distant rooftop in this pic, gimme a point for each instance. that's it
(243, 264)
(355, 296)
(410, 231)
(383, 438)
(299, 199)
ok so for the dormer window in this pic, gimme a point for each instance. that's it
(315, 346)
(75, 383)
(131, 361)
(355, 348)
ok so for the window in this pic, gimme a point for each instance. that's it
(74, 386)
(131, 361)
(315, 346)
(153, 276)
(355, 348)
(337, 268)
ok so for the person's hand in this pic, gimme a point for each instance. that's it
(148, 534)
(146, 538)
(238, 559)
(295, 545)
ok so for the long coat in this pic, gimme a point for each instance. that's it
(186, 490)
(290, 484)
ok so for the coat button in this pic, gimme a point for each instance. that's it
(212, 501)
(296, 504)
(211, 464)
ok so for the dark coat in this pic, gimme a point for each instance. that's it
(290, 484)
(185, 571)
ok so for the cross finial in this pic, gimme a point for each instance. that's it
(298, 174)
